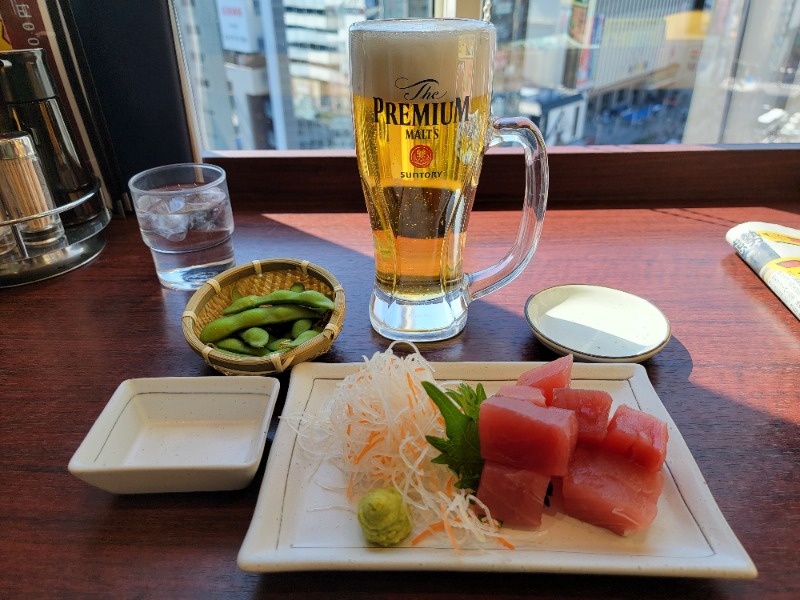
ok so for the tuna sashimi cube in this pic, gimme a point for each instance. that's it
(513, 496)
(591, 407)
(523, 392)
(638, 436)
(520, 434)
(555, 374)
(607, 490)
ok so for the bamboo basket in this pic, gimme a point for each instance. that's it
(261, 277)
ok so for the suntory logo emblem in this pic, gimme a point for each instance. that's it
(421, 156)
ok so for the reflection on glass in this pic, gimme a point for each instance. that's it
(275, 75)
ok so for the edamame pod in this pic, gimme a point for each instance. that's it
(300, 326)
(254, 317)
(298, 287)
(237, 346)
(257, 337)
(277, 344)
(300, 339)
(308, 298)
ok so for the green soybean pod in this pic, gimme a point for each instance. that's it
(243, 303)
(237, 346)
(311, 299)
(255, 317)
(257, 337)
(300, 339)
(278, 344)
(308, 298)
(297, 287)
(300, 326)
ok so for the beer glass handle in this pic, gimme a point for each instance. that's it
(525, 133)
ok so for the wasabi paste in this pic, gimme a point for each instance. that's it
(383, 516)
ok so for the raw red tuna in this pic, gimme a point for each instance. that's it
(592, 408)
(609, 491)
(520, 434)
(555, 374)
(523, 392)
(638, 436)
(514, 496)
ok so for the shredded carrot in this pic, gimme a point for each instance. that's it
(373, 428)
(449, 530)
(506, 543)
(436, 527)
(367, 448)
(412, 386)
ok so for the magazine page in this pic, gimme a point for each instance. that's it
(773, 252)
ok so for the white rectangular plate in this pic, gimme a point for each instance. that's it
(300, 524)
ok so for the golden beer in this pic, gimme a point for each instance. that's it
(421, 114)
(420, 182)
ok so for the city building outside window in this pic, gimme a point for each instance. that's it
(273, 74)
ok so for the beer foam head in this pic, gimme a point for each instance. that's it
(388, 58)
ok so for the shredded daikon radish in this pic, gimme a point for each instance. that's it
(373, 430)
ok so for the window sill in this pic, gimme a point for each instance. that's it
(580, 177)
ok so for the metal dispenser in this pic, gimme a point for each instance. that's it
(29, 103)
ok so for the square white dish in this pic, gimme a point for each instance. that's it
(178, 434)
(300, 524)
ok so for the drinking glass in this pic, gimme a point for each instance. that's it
(185, 218)
(422, 91)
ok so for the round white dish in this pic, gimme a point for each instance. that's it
(597, 323)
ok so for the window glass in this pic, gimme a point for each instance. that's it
(272, 74)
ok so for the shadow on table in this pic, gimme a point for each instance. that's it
(492, 333)
(505, 586)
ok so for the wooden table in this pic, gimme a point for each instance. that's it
(729, 377)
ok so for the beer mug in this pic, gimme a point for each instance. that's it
(422, 91)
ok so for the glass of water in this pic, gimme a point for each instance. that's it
(185, 217)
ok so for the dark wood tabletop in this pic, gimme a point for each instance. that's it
(728, 377)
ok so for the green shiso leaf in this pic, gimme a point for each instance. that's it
(461, 451)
